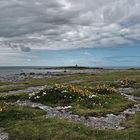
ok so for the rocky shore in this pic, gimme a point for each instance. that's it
(48, 73)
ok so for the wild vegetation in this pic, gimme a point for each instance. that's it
(23, 123)
(85, 101)
(87, 94)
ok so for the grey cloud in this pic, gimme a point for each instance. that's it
(22, 47)
(67, 24)
(25, 49)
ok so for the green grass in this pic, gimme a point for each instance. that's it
(24, 123)
(5, 89)
(95, 101)
(87, 79)
(114, 103)
(14, 97)
(4, 83)
(100, 105)
(84, 80)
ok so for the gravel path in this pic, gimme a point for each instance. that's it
(3, 135)
(109, 122)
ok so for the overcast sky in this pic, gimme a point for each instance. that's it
(69, 32)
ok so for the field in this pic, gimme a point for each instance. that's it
(84, 95)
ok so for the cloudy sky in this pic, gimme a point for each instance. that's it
(69, 32)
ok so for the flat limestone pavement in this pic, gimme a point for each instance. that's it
(3, 135)
(111, 121)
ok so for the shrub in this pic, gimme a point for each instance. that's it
(69, 94)
(102, 90)
(100, 97)
(59, 93)
(91, 102)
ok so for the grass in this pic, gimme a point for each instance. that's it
(4, 83)
(5, 89)
(114, 103)
(84, 80)
(84, 101)
(103, 103)
(24, 123)
(14, 97)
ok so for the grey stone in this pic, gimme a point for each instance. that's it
(110, 121)
(3, 135)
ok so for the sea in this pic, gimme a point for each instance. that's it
(8, 70)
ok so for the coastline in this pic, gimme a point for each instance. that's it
(14, 74)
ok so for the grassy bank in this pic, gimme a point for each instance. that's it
(84, 93)
(24, 123)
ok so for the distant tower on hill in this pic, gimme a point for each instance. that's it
(76, 65)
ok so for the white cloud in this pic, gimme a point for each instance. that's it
(68, 24)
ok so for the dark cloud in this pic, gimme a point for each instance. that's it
(25, 49)
(20, 46)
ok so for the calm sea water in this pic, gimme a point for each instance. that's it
(18, 70)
